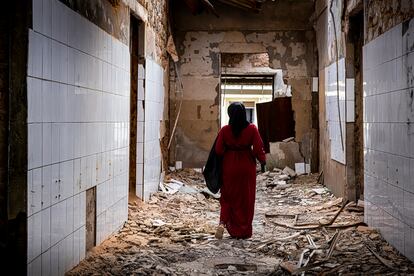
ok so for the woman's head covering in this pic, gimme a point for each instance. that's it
(238, 120)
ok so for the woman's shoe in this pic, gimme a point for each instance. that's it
(219, 232)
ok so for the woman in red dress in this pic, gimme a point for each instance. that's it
(238, 191)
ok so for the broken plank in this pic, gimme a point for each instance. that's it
(381, 259)
(275, 215)
(316, 226)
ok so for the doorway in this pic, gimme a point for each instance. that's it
(249, 90)
(137, 105)
(355, 40)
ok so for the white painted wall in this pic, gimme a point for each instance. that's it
(154, 107)
(335, 106)
(389, 136)
(78, 134)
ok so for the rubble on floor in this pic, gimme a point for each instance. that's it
(299, 227)
(282, 154)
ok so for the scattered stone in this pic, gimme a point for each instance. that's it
(288, 171)
(173, 234)
(364, 229)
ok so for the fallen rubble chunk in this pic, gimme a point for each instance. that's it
(364, 229)
(288, 171)
(283, 154)
(288, 266)
(283, 186)
(320, 191)
(283, 177)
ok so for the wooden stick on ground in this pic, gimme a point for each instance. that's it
(270, 241)
(381, 259)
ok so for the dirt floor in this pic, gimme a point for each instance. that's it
(299, 227)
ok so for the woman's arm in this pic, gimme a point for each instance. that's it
(258, 149)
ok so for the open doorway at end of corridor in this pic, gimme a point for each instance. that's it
(249, 90)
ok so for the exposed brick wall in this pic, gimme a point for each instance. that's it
(158, 21)
(382, 15)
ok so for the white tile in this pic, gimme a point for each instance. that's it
(69, 216)
(54, 260)
(34, 98)
(77, 176)
(36, 191)
(409, 185)
(34, 230)
(55, 143)
(37, 10)
(47, 17)
(46, 186)
(46, 58)
(29, 194)
(46, 264)
(35, 55)
(85, 173)
(66, 145)
(396, 201)
(46, 230)
(58, 222)
(140, 174)
(71, 66)
(59, 15)
(82, 244)
(77, 145)
(35, 267)
(62, 257)
(82, 204)
(34, 145)
(69, 252)
(49, 110)
(55, 184)
(92, 160)
(409, 242)
(66, 179)
(409, 208)
(56, 58)
(99, 198)
(46, 143)
(76, 212)
(76, 241)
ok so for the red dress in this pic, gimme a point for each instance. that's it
(238, 191)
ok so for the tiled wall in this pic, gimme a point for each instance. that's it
(140, 132)
(335, 113)
(154, 107)
(78, 125)
(389, 135)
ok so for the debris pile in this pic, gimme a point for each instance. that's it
(299, 227)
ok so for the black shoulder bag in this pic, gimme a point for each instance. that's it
(213, 170)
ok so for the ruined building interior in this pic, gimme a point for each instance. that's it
(109, 109)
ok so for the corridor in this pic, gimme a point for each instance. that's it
(109, 110)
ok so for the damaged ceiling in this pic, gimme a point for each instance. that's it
(197, 6)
